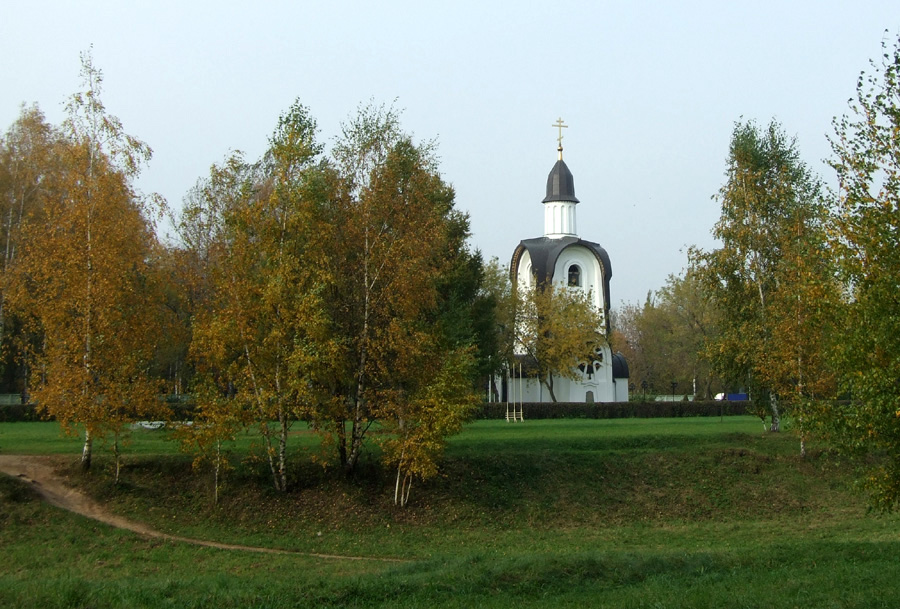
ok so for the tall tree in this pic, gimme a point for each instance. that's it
(497, 290)
(773, 291)
(665, 338)
(266, 332)
(396, 237)
(28, 162)
(84, 278)
(866, 148)
(557, 328)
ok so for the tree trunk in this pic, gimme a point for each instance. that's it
(87, 450)
(118, 456)
(282, 448)
(270, 453)
(776, 418)
(341, 430)
(549, 385)
(357, 431)
(218, 465)
(263, 424)
(397, 483)
(407, 481)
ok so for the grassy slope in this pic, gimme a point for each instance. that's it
(622, 513)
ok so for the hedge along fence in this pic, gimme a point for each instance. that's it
(615, 410)
(182, 409)
(12, 413)
(12, 410)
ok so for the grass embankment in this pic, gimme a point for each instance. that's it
(614, 513)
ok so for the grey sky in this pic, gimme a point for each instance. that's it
(650, 92)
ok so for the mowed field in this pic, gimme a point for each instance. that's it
(691, 512)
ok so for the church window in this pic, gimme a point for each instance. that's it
(574, 276)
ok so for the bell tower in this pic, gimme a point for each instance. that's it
(560, 202)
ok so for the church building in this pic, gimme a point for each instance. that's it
(565, 259)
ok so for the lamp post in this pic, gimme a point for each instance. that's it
(674, 385)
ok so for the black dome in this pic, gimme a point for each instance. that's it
(560, 184)
(620, 366)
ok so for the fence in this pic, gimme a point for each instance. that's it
(615, 410)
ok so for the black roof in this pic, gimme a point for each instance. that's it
(560, 184)
(620, 366)
(544, 253)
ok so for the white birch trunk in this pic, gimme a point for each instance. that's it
(86, 451)
(217, 467)
(263, 425)
(776, 417)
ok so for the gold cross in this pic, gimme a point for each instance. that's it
(560, 125)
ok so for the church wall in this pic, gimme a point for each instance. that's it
(566, 390)
(599, 383)
(523, 273)
(527, 390)
(592, 275)
(621, 392)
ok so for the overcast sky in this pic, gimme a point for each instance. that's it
(650, 92)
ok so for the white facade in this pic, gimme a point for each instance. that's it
(559, 219)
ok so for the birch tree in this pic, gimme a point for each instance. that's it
(417, 434)
(866, 147)
(774, 290)
(334, 295)
(28, 162)
(266, 335)
(85, 281)
(396, 236)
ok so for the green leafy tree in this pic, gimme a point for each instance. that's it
(417, 434)
(265, 336)
(340, 291)
(664, 339)
(774, 292)
(866, 148)
(497, 290)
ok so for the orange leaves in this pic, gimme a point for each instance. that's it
(83, 281)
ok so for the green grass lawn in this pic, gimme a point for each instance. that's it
(693, 512)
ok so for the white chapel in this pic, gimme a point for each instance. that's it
(562, 257)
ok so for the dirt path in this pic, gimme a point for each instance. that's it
(40, 472)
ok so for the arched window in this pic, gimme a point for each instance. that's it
(575, 276)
